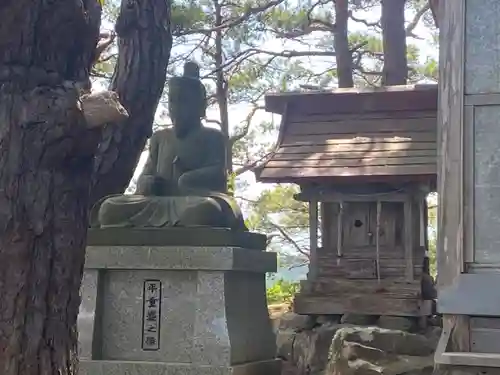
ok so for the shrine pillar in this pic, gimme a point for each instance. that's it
(469, 186)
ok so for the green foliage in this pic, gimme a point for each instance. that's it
(231, 183)
(277, 212)
(432, 217)
(282, 292)
(279, 201)
(188, 15)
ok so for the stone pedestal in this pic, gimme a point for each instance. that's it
(152, 305)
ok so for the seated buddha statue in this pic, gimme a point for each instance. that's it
(184, 181)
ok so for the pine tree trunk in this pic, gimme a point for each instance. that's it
(144, 43)
(221, 88)
(395, 71)
(46, 160)
(343, 54)
(434, 4)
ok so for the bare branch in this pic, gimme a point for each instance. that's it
(105, 41)
(213, 121)
(289, 238)
(255, 51)
(96, 74)
(298, 265)
(364, 22)
(253, 165)
(270, 237)
(312, 26)
(414, 22)
(248, 120)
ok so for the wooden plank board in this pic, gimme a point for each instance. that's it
(408, 238)
(385, 263)
(333, 102)
(311, 172)
(355, 147)
(485, 340)
(325, 102)
(482, 99)
(385, 270)
(355, 138)
(323, 290)
(484, 323)
(386, 273)
(380, 115)
(351, 162)
(282, 154)
(485, 335)
(388, 262)
(361, 126)
(358, 268)
(332, 196)
(355, 235)
(313, 238)
(396, 252)
(470, 360)
(341, 287)
(329, 226)
(358, 304)
(469, 176)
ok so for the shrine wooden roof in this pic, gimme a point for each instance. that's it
(352, 133)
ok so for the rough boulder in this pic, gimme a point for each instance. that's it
(376, 351)
(329, 347)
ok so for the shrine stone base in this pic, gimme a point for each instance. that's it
(151, 305)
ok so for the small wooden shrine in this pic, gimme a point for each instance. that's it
(365, 160)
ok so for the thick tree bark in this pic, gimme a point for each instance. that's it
(46, 160)
(343, 54)
(395, 71)
(144, 42)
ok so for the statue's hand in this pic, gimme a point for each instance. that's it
(145, 185)
(153, 186)
(203, 179)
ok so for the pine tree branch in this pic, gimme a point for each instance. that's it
(105, 41)
(306, 30)
(416, 19)
(256, 51)
(364, 22)
(213, 121)
(253, 165)
(289, 238)
(233, 22)
(248, 121)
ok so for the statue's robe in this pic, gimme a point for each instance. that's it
(192, 172)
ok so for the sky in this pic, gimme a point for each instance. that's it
(238, 112)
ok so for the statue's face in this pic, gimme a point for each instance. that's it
(180, 110)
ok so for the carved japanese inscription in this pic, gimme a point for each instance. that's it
(151, 315)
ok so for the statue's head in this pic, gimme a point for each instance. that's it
(187, 99)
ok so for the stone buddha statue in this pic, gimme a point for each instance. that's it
(184, 181)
